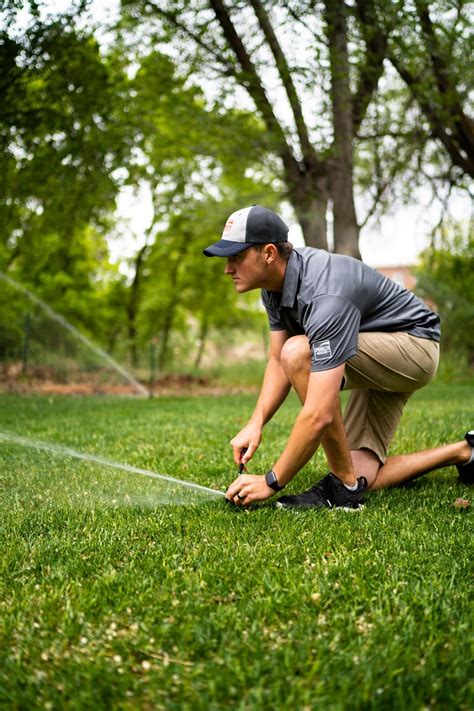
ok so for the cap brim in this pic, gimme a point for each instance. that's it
(225, 248)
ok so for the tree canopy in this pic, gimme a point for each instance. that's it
(337, 108)
(334, 81)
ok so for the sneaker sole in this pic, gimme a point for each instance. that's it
(301, 508)
(352, 509)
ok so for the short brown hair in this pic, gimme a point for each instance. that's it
(284, 248)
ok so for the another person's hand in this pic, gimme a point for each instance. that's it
(248, 488)
(248, 439)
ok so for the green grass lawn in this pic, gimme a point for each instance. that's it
(111, 600)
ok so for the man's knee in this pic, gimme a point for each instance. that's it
(295, 353)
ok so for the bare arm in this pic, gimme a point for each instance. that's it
(318, 412)
(275, 388)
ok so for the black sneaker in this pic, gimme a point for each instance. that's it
(328, 493)
(466, 471)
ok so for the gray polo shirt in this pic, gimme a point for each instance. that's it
(331, 298)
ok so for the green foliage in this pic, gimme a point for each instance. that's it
(418, 128)
(71, 116)
(57, 98)
(182, 137)
(204, 607)
(59, 145)
(445, 277)
(199, 162)
(188, 292)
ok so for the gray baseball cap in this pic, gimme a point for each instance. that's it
(246, 227)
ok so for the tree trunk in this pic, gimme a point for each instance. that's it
(306, 184)
(132, 306)
(346, 229)
(202, 341)
(165, 335)
(174, 292)
(310, 177)
(310, 205)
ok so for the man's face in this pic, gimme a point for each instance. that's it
(247, 269)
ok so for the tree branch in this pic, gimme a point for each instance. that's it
(439, 67)
(285, 76)
(299, 20)
(341, 96)
(463, 125)
(429, 108)
(381, 188)
(171, 17)
(346, 229)
(251, 80)
(415, 133)
(376, 43)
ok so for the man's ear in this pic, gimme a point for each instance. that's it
(269, 253)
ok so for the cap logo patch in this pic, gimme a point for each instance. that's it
(322, 350)
(227, 228)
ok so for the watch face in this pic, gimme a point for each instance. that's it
(272, 481)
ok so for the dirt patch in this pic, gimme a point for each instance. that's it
(43, 381)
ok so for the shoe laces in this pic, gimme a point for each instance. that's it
(324, 487)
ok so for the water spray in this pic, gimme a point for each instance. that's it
(72, 329)
(59, 450)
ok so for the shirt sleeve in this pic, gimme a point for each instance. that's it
(331, 324)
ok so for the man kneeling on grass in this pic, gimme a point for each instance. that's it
(336, 324)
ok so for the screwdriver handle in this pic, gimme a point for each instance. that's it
(241, 465)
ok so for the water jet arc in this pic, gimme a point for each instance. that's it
(72, 329)
(59, 450)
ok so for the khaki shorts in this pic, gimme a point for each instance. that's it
(384, 373)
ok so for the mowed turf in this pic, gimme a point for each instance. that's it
(146, 606)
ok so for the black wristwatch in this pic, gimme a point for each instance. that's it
(272, 481)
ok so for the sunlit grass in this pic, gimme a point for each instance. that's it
(203, 607)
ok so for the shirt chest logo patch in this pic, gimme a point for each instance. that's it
(322, 350)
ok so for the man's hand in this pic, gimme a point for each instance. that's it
(248, 488)
(248, 439)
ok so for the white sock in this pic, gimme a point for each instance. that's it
(471, 458)
(352, 487)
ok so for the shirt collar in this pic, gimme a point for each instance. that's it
(291, 281)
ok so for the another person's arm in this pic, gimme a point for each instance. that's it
(275, 388)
